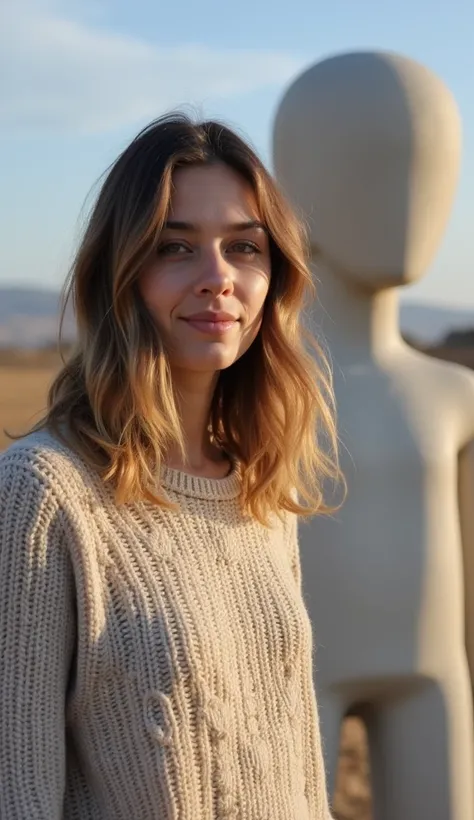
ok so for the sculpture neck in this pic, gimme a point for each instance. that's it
(359, 326)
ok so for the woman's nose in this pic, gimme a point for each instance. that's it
(216, 275)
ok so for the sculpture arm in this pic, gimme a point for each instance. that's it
(466, 507)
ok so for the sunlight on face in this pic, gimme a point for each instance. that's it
(207, 283)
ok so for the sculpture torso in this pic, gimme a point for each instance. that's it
(393, 553)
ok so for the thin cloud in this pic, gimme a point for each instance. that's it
(63, 74)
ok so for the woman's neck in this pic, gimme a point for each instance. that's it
(202, 456)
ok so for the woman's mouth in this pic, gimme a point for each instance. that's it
(211, 326)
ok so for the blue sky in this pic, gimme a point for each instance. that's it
(79, 77)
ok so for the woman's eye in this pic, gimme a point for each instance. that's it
(172, 249)
(249, 248)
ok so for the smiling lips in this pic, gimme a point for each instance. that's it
(211, 323)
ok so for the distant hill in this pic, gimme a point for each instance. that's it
(27, 302)
(430, 324)
(29, 318)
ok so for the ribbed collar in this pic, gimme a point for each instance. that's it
(219, 489)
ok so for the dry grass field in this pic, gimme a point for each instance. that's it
(24, 380)
(23, 390)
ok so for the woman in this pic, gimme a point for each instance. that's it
(156, 650)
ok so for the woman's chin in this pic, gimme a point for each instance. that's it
(206, 363)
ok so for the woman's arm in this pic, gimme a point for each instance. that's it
(315, 773)
(291, 532)
(37, 628)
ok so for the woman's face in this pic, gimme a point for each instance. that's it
(208, 280)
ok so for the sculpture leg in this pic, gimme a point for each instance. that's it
(421, 749)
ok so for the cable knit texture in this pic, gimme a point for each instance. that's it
(155, 665)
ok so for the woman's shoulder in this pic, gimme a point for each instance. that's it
(44, 463)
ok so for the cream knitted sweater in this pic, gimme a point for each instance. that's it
(154, 665)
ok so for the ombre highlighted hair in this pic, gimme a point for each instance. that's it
(113, 401)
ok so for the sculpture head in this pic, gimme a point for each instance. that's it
(367, 145)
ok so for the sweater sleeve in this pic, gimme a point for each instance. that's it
(293, 548)
(315, 773)
(37, 628)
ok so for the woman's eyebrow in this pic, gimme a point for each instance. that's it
(177, 225)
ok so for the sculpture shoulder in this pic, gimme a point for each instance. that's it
(450, 373)
(458, 383)
(450, 386)
(465, 390)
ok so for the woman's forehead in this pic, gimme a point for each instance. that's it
(212, 194)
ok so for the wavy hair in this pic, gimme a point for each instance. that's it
(113, 400)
